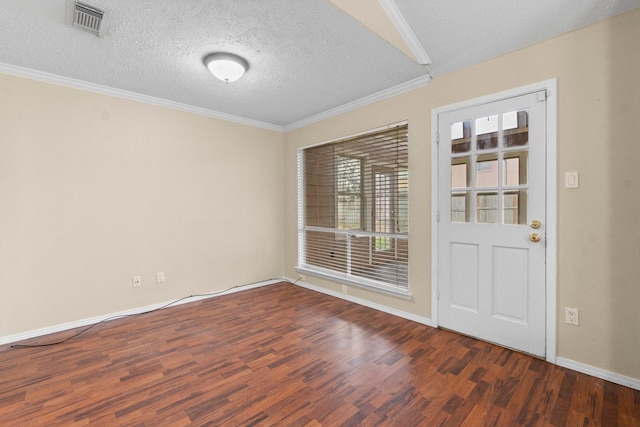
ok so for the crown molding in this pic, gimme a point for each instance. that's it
(403, 27)
(369, 99)
(45, 77)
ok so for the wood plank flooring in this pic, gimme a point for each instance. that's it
(285, 355)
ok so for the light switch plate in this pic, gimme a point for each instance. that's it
(571, 180)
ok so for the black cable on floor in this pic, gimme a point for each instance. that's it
(120, 316)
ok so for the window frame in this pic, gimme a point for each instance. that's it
(359, 194)
(396, 284)
(391, 173)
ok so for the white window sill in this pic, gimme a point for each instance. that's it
(354, 281)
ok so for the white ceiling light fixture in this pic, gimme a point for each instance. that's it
(226, 66)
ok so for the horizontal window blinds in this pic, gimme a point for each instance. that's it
(354, 208)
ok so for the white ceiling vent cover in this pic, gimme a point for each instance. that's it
(87, 17)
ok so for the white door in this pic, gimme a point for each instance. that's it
(491, 203)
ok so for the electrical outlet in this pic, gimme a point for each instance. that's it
(571, 316)
(136, 281)
(160, 277)
(345, 289)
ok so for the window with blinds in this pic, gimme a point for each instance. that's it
(353, 210)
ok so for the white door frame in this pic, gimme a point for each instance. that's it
(551, 198)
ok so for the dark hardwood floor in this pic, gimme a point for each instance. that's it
(284, 355)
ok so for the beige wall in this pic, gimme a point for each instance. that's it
(598, 233)
(96, 189)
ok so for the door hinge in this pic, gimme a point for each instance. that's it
(542, 95)
(438, 138)
(437, 216)
(438, 293)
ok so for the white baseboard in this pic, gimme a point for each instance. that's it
(599, 373)
(560, 361)
(379, 307)
(85, 322)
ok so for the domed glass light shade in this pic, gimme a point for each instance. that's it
(226, 66)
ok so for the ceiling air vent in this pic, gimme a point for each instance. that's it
(87, 17)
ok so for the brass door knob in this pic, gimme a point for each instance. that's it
(535, 237)
(535, 224)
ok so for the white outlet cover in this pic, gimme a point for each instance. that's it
(571, 316)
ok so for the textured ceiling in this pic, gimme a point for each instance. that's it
(306, 56)
(458, 33)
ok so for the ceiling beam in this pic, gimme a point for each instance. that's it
(385, 20)
(395, 15)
